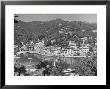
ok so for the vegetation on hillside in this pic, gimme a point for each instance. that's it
(27, 31)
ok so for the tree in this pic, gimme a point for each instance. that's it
(58, 69)
(20, 69)
(40, 37)
(86, 67)
(15, 20)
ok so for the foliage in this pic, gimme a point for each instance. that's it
(26, 31)
(86, 67)
(83, 67)
(20, 69)
(49, 69)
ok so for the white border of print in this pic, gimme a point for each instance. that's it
(100, 79)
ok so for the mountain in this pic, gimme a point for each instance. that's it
(25, 31)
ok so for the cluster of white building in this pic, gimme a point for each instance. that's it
(71, 51)
(74, 51)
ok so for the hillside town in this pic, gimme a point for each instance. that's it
(71, 51)
(55, 48)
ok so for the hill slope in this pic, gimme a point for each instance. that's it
(25, 31)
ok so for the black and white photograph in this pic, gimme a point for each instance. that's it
(55, 45)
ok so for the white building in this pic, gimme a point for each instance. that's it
(60, 32)
(84, 49)
(15, 46)
(94, 30)
(52, 41)
(38, 47)
(84, 39)
(69, 53)
(72, 44)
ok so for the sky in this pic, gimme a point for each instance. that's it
(91, 18)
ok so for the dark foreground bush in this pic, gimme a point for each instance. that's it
(19, 69)
(86, 67)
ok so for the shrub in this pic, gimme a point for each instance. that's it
(86, 67)
(19, 69)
